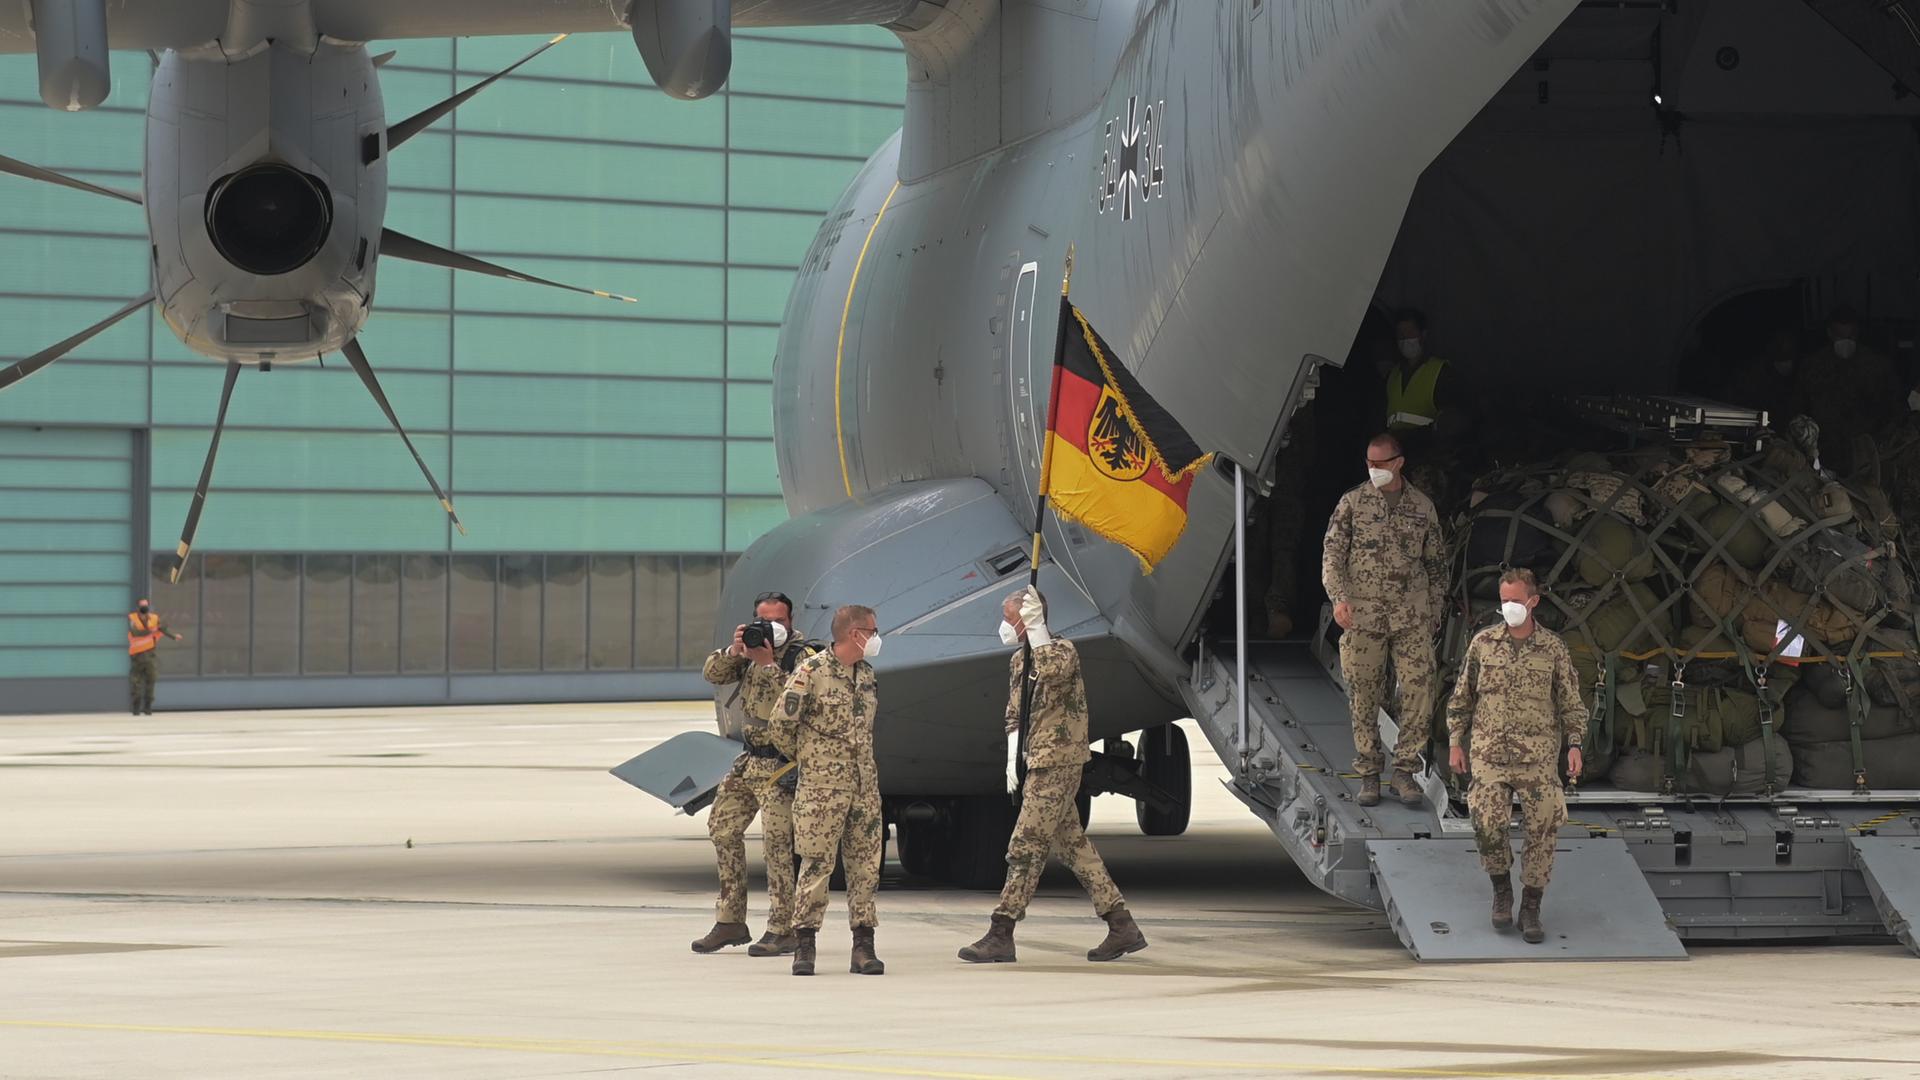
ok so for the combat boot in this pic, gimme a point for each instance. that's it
(772, 944)
(864, 960)
(1369, 791)
(1502, 901)
(1279, 623)
(1123, 937)
(1530, 927)
(995, 948)
(803, 952)
(722, 935)
(1405, 789)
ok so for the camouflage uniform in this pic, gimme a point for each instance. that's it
(825, 722)
(750, 789)
(1056, 749)
(1520, 701)
(1390, 563)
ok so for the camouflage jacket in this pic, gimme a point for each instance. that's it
(1057, 722)
(1390, 563)
(825, 722)
(1520, 699)
(761, 685)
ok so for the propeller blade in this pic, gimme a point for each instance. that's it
(35, 172)
(420, 121)
(358, 358)
(206, 477)
(381, 60)
(399, 245)
(48, 355)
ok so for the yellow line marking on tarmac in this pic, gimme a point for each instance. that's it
(741, 1054)
(840, 350)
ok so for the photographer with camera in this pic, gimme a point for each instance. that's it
(763, 654)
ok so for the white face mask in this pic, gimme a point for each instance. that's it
(1514, 612)
(1380, 477)
(1008, 635)
(872, 648)
(780, 635)
(1844, 347)
(1410, 347)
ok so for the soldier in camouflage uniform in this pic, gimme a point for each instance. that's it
(1384, 566)
(756, 786)
(1056, 751)
(1518, 699)
(825, 722)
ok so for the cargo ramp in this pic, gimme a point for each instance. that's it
(1807, 865)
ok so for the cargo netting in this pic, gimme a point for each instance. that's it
(1742, 624)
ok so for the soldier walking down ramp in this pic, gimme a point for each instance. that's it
(756, 785)
(144, 631)
(825, 722)
(1384, 566)
(1518, 699)
(1049, 821)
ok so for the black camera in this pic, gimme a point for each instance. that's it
(759, 634)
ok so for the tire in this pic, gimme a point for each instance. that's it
(1166, 762)
(977, 857)
(916, 845)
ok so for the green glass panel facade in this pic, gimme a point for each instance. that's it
(610, 460)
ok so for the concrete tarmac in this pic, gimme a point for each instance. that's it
(465, 892)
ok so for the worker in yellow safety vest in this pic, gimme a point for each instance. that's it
(144, 631)
(1414, 385)
(1430, 411)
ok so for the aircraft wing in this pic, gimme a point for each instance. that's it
(176, 24)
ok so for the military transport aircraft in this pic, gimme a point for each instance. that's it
(1576, 184)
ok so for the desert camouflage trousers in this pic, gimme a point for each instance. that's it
(848, 823)
(1050, 822)
(749, 790)
(1543, 809)
(1363, 660)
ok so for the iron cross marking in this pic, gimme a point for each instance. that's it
(1131, 165)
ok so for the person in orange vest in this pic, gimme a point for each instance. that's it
(144, 631)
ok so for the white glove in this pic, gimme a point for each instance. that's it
(1013, 758)
(1035, 619)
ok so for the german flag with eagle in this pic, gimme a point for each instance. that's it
(1115, 461)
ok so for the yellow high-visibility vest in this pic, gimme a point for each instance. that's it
(1410, 403)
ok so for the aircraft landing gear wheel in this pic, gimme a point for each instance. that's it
(1166, 762)
(914, 843)
(977, 857)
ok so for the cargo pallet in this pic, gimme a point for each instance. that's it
(1636, 875)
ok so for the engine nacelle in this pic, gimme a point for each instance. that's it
(687, 45)
(264, 211)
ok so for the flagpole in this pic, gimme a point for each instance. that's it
(1039, 519)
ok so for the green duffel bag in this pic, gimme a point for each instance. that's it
(1890, 763)
(1814, 721)
(1749, 544)
(1637, 770)
(1740, 715)
(1609, 545)
(1701, 728)
(1739, 769)
(1619, 627)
